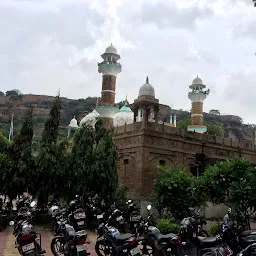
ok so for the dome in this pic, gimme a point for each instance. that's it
(147, 90)
(111, 49)
(124, 116)
(90, 119)
(73, 123)
(197, 81)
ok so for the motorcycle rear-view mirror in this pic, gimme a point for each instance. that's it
(33, 203)
(149, 207)
(11, 223)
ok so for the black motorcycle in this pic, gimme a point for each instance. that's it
(111, 242)
(27, 241)
(69, 242)
(199, 245)
(234, 237)
(76, 214)
(160, 244)
(133, 216)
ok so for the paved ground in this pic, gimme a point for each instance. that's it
(7, 242)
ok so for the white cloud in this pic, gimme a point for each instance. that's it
(51, 44)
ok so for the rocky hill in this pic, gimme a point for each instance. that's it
(17, 105)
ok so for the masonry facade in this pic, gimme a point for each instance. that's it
(141, 148)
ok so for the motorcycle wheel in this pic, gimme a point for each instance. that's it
(57, 246)
(102, 248)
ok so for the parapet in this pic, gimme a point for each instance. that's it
(163, 129)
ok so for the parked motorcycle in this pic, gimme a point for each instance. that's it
(133, 216)
(235, 238)
(168, 244)
(111, 242)
(69, 242)
(199, 245)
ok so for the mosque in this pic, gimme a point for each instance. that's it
(146, 139)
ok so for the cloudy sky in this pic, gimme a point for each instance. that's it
(47, 45)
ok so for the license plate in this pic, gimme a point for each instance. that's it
(135, 251)
(28, 247)
(80, 248)
(80, 223)
(99, 216)
(119, 218)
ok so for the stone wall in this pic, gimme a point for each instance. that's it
(141, 149)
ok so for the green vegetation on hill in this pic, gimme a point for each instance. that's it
(18, 104)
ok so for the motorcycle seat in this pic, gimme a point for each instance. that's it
(70, 231)
(121, 238)
(209, 241)
(165, 238)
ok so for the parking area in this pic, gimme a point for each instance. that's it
(7, 241)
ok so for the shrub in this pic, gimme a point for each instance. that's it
(166, 225)
(214, 228)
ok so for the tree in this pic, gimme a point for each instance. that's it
(4, 144)
(2, 93)
(214, 112)
(215, 129)
(184, 123)
(104, 168)
(19, 160)
(254, 1)
(51, 160)
(11, 93)
(81, 160)
(232, 182)
(93, 162)
(176, 190)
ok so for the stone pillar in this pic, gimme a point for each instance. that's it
(156, 111)
(174, 120)
(197, 113)
(108, 90)
(145, 116)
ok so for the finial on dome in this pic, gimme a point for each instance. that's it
(147, 80)
(126, 101)
(74, 117)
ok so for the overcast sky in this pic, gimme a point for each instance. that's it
(47, 45)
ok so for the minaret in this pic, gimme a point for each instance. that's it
(197, 97)
(109, 68)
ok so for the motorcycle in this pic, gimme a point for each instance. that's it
(27, 241)
(134, 217)
(111, 242)
(199, 245)
(69, 242)
(168, 244)
(77, 219)
(235, 238)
